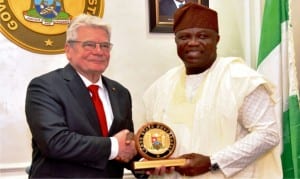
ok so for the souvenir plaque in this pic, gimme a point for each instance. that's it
(156, 142)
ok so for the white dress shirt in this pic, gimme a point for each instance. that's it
(103, 94)
(178, 4)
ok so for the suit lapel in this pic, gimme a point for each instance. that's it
(81, 95)
(113, 97)
(172, 6)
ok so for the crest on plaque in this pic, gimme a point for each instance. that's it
(156, 142)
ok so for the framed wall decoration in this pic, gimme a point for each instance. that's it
(161, 14)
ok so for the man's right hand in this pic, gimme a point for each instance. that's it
(126, 143)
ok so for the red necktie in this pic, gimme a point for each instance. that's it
(99, 108)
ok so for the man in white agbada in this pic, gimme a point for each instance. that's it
(220, 110)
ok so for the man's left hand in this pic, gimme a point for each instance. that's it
(196, 164)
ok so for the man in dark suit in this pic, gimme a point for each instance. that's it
(168, 7)
(67, 139)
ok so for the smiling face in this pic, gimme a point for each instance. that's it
(197, 48)
(90, 63)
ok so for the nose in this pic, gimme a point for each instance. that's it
(98, 48)
(193, 41)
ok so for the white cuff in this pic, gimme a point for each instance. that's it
(114, 148)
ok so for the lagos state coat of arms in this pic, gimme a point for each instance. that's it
(40, 25)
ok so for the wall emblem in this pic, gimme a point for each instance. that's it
(40, 25)
(47, 13)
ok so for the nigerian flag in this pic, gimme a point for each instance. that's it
(276, 61)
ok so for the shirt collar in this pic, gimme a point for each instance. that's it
(88, 83)
(178, 3)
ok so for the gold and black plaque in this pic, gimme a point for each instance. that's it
(156, 142)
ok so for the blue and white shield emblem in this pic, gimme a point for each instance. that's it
(48, 8)
(48, 12)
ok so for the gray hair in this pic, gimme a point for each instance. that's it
(87, 21)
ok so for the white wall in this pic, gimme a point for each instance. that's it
(137, 58)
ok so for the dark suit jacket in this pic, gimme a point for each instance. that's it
(167, 8)
(66, 138)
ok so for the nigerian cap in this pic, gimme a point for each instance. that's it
(193, 15)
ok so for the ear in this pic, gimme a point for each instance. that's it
(218, 38)
(67, 50)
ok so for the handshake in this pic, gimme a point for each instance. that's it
(127, 148)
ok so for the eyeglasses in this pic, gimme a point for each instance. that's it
(91, 45)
